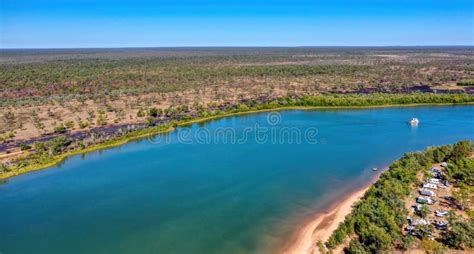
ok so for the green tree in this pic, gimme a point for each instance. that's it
(101, 118)
(461, 149)
(424, 211)
(460, 235)
(81, 123)
(24, 147)
(355, 247)
(90, 116)
(140, 113)
(150, 120)
(464, 195)
(432, 246)
(375, 238)
(69, 125)
(153, 112)
(59, 128)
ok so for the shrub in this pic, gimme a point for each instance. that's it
(140, 113)
(425, 211)
(460, 235)
(468, 82)
(150, 120)
(432, 246)
(24, 147)
(69, 124)
(461, 149)
(355, 247)
(101, 118)
(153, 112)
(60, 129)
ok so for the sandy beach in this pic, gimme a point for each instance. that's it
(323, 224)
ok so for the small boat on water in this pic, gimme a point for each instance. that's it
(375, 169)
(414, 121)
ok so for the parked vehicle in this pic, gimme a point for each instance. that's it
(418, 222)
(417, 208)
(424, 200)
(441, 225)
(430, 186)
(427, 192)
(441, 213)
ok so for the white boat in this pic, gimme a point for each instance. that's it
(414, 121)
(375, 169)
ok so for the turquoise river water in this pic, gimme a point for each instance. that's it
(240, 184)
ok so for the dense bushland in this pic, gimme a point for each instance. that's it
(49, 73)
(377, 221)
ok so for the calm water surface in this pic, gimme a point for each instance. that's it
(174, 197)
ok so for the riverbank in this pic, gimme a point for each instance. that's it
(109, 144)
(261, 110)
(309, 103)
(322, 225)
(378, 223)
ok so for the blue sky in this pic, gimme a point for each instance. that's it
(146, 23)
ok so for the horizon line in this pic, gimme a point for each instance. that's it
(236, 46)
